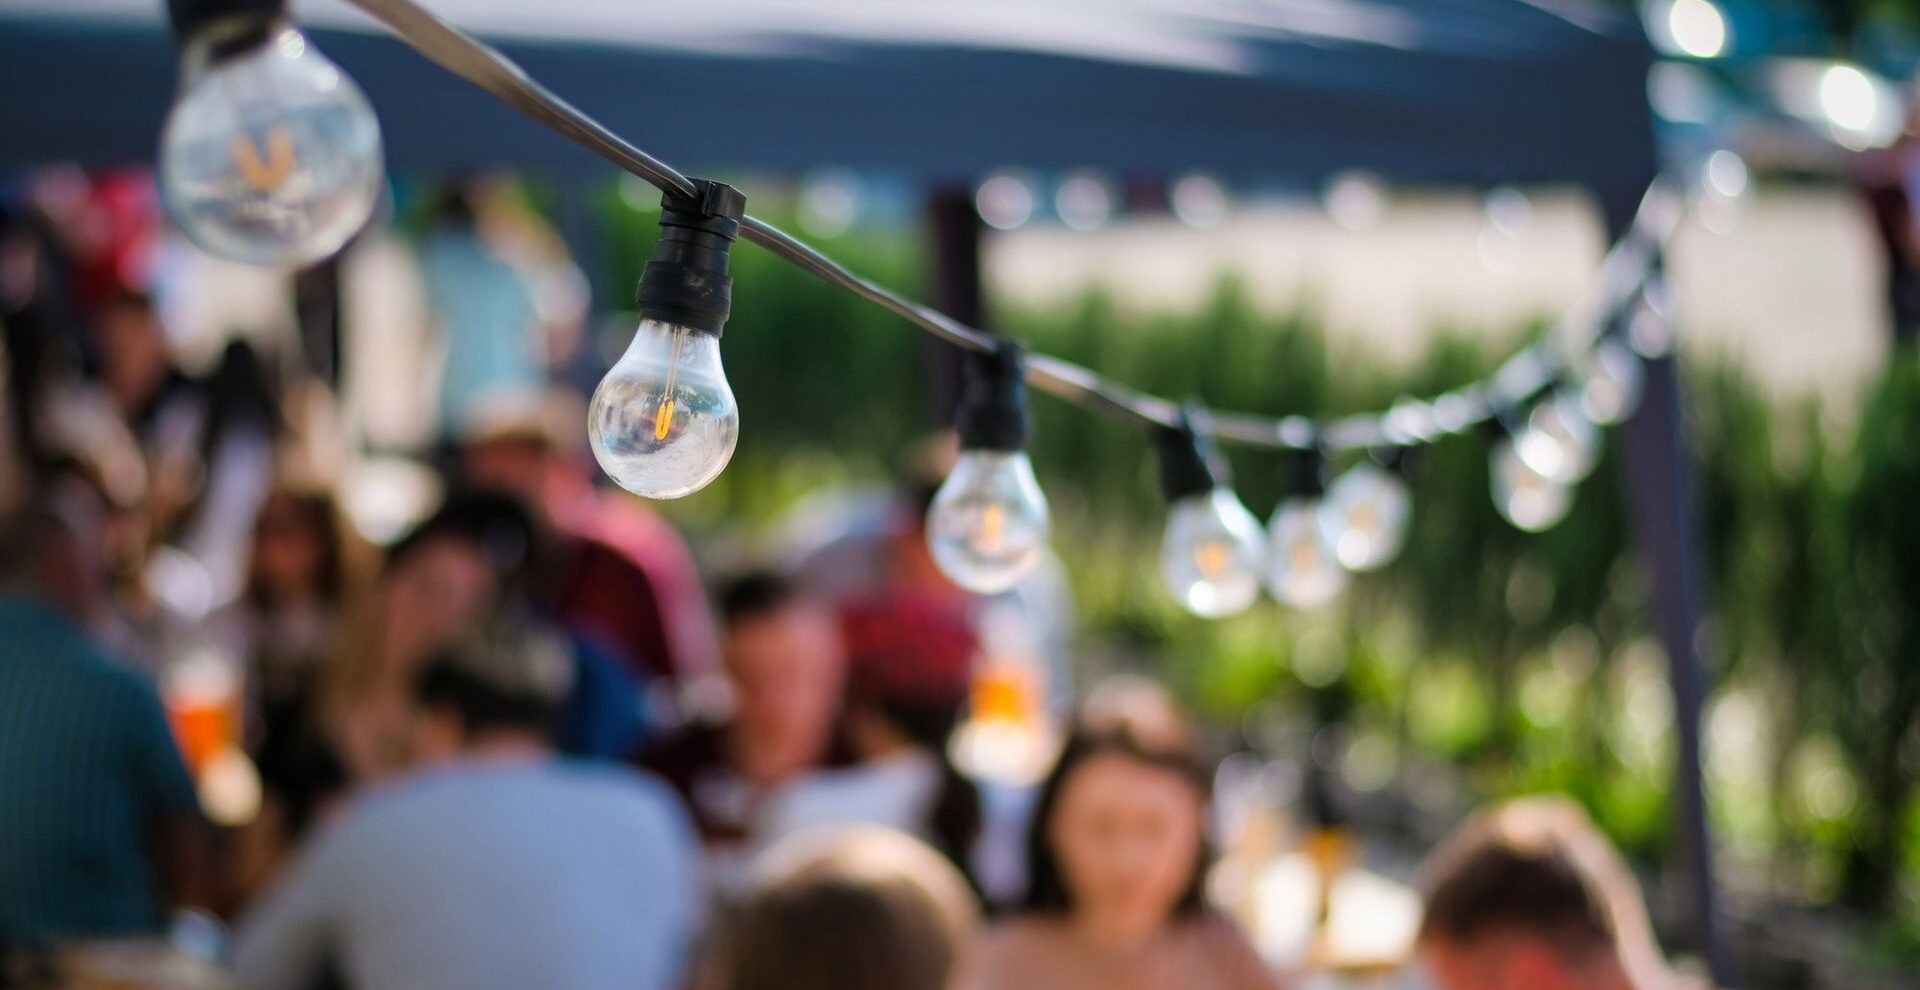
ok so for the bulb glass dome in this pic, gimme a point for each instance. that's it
(663, 423)
(1212, 555)
(1363, 517)
(1558, 440)
(1302, 570)
(271, 156)
(1528, 499)
(988, 524)
(1613, 382)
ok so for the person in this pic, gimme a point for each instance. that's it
(617, 571)
(910, 656)
(785, 664)
(1888, 179)
(497, 864)
(474, 557)
(302, 574)
(1117, 865)
(864, 909)
(303, 570)
(1531, 895)
(100, 830)
(507, 299)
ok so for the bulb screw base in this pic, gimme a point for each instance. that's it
(190, 17)
(686, 283)
(1187, 461)
(993, 413)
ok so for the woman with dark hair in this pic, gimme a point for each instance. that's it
(1117, 864)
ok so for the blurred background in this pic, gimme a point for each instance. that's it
(1390, 200)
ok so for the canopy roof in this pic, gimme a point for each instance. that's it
(1444, 91)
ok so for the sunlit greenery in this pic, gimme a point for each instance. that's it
(1514, 662)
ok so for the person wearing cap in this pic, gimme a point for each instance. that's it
(498, 864)
(617, 571)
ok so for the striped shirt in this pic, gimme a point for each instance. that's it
(88, 769)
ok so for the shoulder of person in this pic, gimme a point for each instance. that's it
(1017, 935)
(641, 790)
(1225, 941)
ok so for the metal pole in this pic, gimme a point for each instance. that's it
(1659, 480)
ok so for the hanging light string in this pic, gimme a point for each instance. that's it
(1623, 275)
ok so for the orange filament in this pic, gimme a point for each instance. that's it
(264, 175)
(663, 420)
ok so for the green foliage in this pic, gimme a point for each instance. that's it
(1525, 659)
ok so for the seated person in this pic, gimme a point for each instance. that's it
(1530, 896)
(786, 668)
(909, 656)
(497, 864)
(1117, 872)
(865, 909)
(100, 829)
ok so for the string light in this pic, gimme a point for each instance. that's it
(271, 155)
(1301, 567)
(1611, 382)
(1558, 441)
(1211, 556)
(1527, 498)
(663, 423)
(988, 525)
(1364, 516)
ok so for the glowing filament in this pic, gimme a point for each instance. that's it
(663, 416)
(993, 524)
(264, 175)
(1212, 557)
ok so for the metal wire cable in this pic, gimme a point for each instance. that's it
(1623, 274)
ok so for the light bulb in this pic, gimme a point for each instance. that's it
(1558, 440)
(1363, 517)
(1528, 499)
(271, 156)
(663, 423)
(1211, 557)
(1612, 383)
(1301, 567)
(988, 524)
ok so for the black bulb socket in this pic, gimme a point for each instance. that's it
(993, 411)
(686, 283)
(233, 26)
(1188, 463)
(1309, 479)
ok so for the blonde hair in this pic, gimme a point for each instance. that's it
(860, 908)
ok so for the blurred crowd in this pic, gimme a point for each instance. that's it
(508, 731)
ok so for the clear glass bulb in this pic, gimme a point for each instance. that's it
(1559, 441)
(1528, 499)
(1363, 517)
(663, 423)
(1211, 557)
(1302, 570)
(270, 156)
(988, 524)
(1612, 383)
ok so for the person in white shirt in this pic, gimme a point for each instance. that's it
(496, 864)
